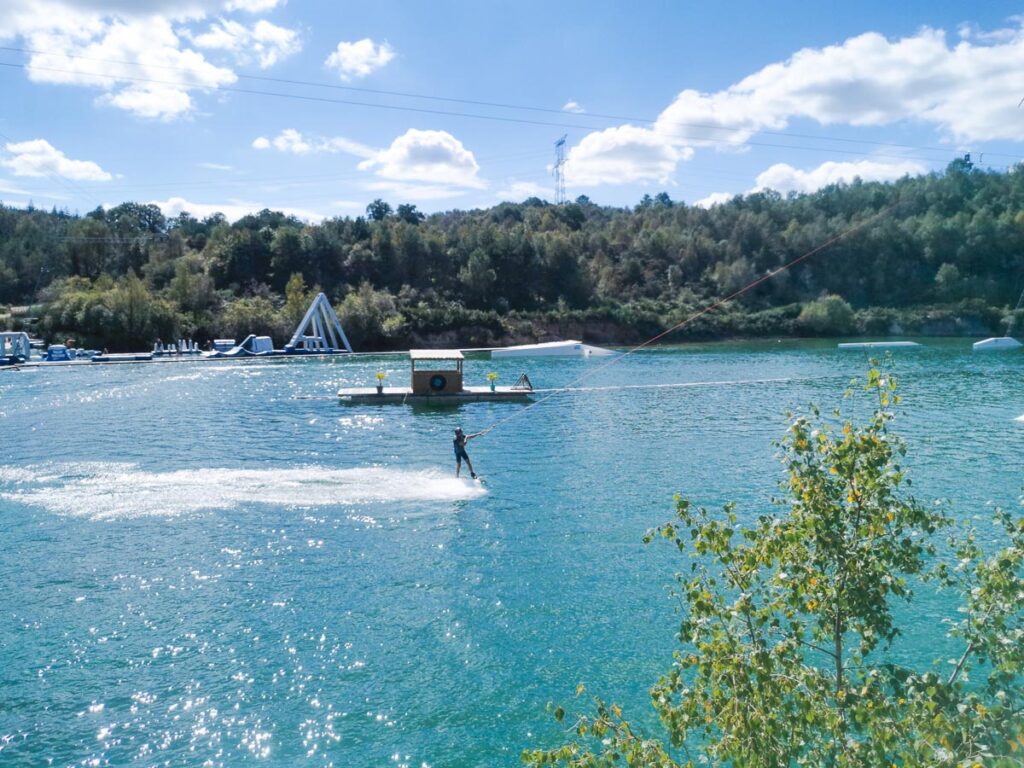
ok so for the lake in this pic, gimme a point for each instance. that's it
(219, 564)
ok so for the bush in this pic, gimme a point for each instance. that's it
(121, 315)
(827, 316)
(370, 318)
(251, 315)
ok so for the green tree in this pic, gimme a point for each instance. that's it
(370, 317)
(408, 213)
(827, 316)
(789, 629)
(253, 314)
(948, 282)
(478, 277)
(297, 299)
(378, 210)
(288, 254)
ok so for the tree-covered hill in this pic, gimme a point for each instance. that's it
(942, 253)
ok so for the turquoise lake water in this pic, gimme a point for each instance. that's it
(218, 564)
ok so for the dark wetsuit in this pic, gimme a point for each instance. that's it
(460, 448)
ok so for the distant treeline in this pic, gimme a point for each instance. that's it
(945, 256)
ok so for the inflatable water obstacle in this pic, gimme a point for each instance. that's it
(319, 333)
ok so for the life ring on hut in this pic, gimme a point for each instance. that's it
(438, 382)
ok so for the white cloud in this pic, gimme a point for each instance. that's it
(233, 210)
(783, 177)
(434, 157)
(969, 91)
(422, 165)
(216, 166)
(623, 155)
(291, 140)
(715, 198)
(252, 6)
(573, 106)
(351, 205)
(266, 42)
(360, 58)
(113, 55)
(520, 190)
(136, 52)
(40, 158)
(8, 188)
(406, 191)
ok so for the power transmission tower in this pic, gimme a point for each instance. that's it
(559, 170)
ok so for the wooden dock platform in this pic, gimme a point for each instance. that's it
(370, 395)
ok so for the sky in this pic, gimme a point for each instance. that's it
(317, 107)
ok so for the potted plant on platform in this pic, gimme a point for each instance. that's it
(380, 382)
(492, 377)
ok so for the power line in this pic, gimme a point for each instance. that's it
(298, 179)
(450, 113)
(477, 102)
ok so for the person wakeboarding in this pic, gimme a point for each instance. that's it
(459, 443)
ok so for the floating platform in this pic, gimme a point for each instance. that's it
(391, 395)
(551, 349)
(997, 344)
(879, 345)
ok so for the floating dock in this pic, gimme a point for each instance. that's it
(436, 380)
(392, 395)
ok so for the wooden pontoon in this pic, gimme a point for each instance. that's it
(436, 377)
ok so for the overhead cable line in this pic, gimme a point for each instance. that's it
(493, 104)
(299, 179)
(574, 384)
(447, 113)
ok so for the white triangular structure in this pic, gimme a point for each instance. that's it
(320, 330)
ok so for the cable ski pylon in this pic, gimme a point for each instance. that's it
(320, 330)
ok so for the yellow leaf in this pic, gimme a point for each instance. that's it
(580, 689)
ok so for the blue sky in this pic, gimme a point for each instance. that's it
(113, 100)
